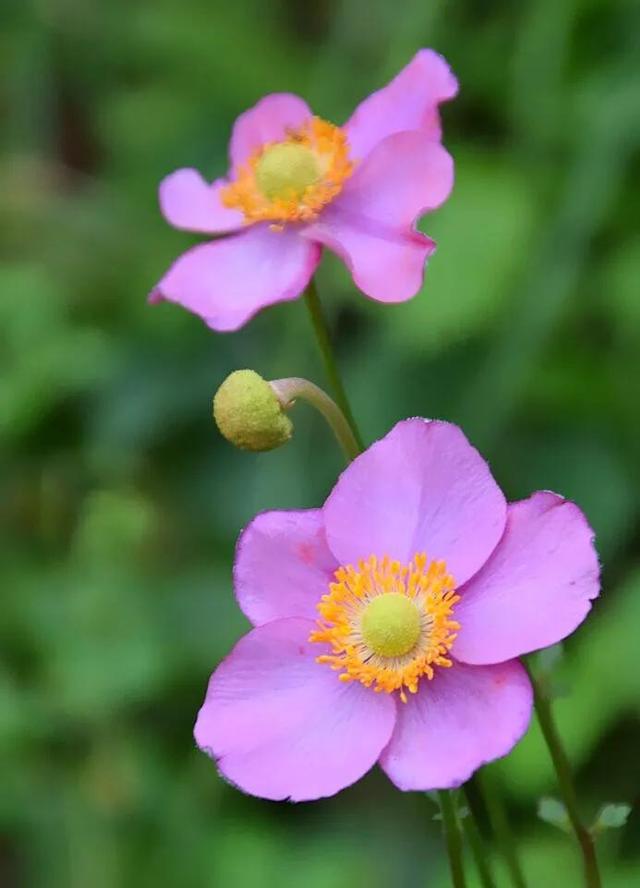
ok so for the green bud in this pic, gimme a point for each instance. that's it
(249, 414)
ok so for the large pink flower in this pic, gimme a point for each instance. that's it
(298, 183)
(388, 623)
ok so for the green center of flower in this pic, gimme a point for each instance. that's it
(390, 625)
(285, 170)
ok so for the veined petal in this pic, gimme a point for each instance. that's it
(188, 202)
(536, 587)
(283, 566)
(281, 726)
(228, 281)
(421, 488)
(462, 719)
(409, 102)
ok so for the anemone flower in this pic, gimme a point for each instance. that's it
(388, 623)
(297, 184)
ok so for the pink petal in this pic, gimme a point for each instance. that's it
(283, 566)
(467, 716)
(371, 224)
(386, 266)
(405, 176)
(409, 102)
(228, 281)
(282, 726)
(267, 121)
(536, 587)
(422, 488)
(190, 203)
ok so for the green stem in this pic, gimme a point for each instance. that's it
(478, 850)
(340, 417)
(500, 826)
(453, 838)
(321, 330)
(565, 783)
(289, 390)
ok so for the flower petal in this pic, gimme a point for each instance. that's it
(462, 719)
(228, 281)
(282, 726)
(385, 265)
(536, 587)
(421, 488)
(283, 566)
(405, 176)
(190, 203)
(267, 121)
(409, 102)
(371, 224)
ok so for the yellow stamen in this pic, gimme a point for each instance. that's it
(292, 180)
(388, 624)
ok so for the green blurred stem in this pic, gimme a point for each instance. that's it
(477, 846)
(289, 390)
(453, 837)
(500, 826)
(562, 768)
(321, 329)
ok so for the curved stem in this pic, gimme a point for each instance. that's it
(562, 768)
(478, 850)
(453, 838)
(321, 330)
(293, 388)
(500, 826)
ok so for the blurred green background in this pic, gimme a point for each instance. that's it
(119, 502)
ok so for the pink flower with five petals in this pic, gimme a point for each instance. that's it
(298, 184)
(387, 624)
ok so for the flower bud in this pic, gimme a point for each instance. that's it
(249, 414)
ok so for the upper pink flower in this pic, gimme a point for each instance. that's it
(387, 623)
(297, 183)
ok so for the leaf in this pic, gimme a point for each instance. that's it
(554, 812)
(611, 816)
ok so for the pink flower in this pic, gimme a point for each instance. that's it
(352, 619)
(297, 184)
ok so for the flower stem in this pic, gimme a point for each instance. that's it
(453, 838)
(562, 768)
(289, 390)
(321, 330)
(478, 850)
(500, 826)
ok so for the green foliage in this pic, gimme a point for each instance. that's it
(554, 812)
(611, 817)
(119, 502)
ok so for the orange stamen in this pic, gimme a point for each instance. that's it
(329, 151)
(426, 584)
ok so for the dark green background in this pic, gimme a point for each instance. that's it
(119, 502)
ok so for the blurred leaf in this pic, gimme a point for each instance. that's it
(113, 527)
(554, 812)
(484, 233)
(611, 816)
(43, 355)
(618, 290)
